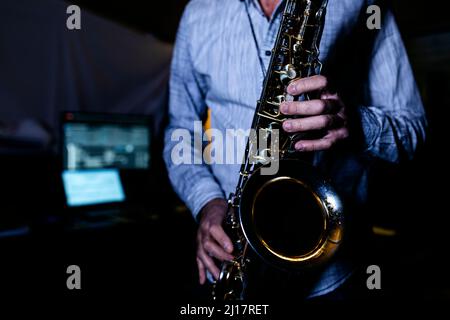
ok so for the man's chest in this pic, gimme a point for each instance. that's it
(232, 59)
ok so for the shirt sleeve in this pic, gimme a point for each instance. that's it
(395, 122)
(191, 178)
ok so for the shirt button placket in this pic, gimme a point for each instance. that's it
(270, 38)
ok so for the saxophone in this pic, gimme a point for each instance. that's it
(285, 235)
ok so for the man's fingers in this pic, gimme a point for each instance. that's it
(216, 251)
(322, 144)
(308, 108)
(338, 134)
(329, 96)
(310, 123)
(221, 237)
(314, 145)
(208, 263)
(300, 86)
(201, 271)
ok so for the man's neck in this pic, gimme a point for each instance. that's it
(269, 6)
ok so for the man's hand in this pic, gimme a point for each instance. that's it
(327, 113)
(212, 242)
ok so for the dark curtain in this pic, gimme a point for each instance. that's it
(46, 69)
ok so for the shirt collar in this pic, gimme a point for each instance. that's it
(258, 5)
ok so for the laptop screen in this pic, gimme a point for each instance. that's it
(92, 141)
(92, 187)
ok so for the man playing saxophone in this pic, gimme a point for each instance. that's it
(365, 104)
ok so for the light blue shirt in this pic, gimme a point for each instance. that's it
(215, 65)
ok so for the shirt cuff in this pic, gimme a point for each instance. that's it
(370, 127)
(202, 192)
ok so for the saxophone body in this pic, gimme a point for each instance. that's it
(305, 231)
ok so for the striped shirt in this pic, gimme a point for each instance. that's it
(216, 66)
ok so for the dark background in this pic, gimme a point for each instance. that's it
(153, 255)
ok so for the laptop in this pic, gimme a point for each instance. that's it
(92, 187)
(106, 157)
